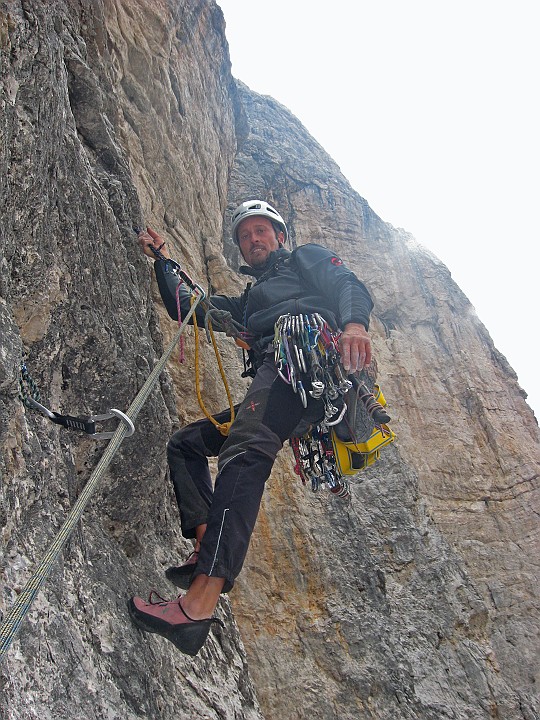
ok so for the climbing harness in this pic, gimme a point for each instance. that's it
(354, 428)
(14, 617)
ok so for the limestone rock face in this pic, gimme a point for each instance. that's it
(418, 598)
(113, 114)
(426, 579)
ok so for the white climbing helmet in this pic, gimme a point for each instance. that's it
(256, 207)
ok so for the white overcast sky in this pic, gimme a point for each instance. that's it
(431, 110)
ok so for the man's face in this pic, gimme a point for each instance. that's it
(257, 239)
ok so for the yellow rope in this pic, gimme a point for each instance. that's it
(222, 427)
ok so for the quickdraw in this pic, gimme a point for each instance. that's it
(31, 398)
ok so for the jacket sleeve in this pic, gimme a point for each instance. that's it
(168, 281)
(323, 270)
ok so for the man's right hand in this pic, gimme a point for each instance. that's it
(355, 347)
(149, 239)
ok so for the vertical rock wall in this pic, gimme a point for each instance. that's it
(113, 114)
(427, 578)
(417, 598)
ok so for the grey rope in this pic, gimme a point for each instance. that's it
(12, 621)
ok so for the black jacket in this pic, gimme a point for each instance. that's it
(310, 279)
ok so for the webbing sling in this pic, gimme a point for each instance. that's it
(12, 621)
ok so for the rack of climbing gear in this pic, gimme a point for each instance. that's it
(315, 462)
(307, 357)
(13, 619)
(306, 348)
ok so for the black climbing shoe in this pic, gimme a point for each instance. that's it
(169, 619)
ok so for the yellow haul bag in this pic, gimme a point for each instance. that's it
(353, 457)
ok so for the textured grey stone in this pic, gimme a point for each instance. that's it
(418, 598)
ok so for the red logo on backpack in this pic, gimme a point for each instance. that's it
(336, 261)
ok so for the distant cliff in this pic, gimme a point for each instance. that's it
(419, 597)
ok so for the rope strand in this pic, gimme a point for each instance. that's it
(12, 621)
(222, 427)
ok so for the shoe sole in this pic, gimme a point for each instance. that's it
(187, 637)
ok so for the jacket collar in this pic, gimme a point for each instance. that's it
(275, 257)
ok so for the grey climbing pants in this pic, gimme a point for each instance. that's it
(269, 415)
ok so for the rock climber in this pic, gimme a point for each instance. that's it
(220, 519)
